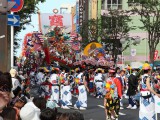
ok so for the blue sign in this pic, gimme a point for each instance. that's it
(13, 20)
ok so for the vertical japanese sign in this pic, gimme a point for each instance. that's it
(49, 21)
(81, 10)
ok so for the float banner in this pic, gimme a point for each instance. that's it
(51, 20)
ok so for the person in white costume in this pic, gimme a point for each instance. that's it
(147, 102)
(98, 80)
(54, 80)
(81, 103)
(66, 93)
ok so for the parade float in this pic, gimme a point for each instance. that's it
(58, 44)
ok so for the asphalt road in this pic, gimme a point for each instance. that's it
(95, 110)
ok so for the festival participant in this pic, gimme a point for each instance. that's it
(66, 93)
(120, 76)
(113, 95)
(40, 76)
(61, 78)
(32, 77)
(157, 83)
(98, 80)
(91, 82)
(81, 103)
(54, 80)
(71, 80)
(132, 88)
(147, 103)
(16, 87)
(46, 88)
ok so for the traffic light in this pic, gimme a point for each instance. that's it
(6, 5)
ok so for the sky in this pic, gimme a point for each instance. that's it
(46, 7)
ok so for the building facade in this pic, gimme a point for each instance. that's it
(140, 52)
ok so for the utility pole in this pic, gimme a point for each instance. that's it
(5, 6)
(3, 44)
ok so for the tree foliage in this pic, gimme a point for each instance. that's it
(149, 11)
(112, 28)
(29, 8)
(89, 31)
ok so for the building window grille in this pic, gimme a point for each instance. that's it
(114, 4)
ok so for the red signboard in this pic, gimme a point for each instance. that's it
(56, 20)
(155, 54)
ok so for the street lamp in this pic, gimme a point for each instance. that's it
(136, 40)
(63, 8)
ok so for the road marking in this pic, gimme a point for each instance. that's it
(100, 106)
(120, 113)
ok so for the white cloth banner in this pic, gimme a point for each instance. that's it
(49, 20)
(157, 104)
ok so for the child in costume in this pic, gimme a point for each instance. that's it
(112, 97)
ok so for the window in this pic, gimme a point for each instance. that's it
(114, 4)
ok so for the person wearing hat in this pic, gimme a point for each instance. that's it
(81, 103)
(98, 80)
(30, 112)
(132, 88)
(16, 87)
(147, 103)
(113, 94)
(54, 80)
(157, 83)
(66, 93)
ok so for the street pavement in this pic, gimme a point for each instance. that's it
(95, 110)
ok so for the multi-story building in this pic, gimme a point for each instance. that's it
(74, 20)
(140, 52)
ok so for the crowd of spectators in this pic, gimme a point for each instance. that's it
(17, 104)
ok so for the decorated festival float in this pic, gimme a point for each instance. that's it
(57, 45)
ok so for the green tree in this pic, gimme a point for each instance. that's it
(29, 8)
(115, 26)
(89, 31)
(149, 11)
